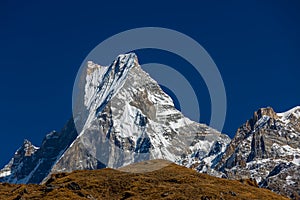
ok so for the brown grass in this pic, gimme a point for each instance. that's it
(170, 182)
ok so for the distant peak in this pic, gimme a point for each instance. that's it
(125, 59)
(294, 112)
(27, 148)
(268, 111)
(102, 83)
(26, 142)
(261, 116)
(264, 114)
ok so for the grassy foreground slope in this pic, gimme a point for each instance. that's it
(169, 182)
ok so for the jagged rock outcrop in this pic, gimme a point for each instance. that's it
(31, 164)
(267, 148)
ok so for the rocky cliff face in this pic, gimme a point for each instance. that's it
(267, 148)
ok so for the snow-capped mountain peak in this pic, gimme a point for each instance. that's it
(132, 119)
(290, 115)
(27, 149)
(124, 117)
(102, 82)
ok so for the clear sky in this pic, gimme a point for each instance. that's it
(255, 44)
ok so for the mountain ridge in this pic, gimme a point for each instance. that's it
(129, 119)
(124, 117)
(266, 148)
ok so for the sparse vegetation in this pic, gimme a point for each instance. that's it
(170, 182)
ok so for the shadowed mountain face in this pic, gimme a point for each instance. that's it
(32, 164)
(169, 182)
(122, 117)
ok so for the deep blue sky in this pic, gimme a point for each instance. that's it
(255, 44)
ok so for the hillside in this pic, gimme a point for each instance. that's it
(170, 182)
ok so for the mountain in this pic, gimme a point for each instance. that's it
(125, 117)
(130, 119)
(267, 149)
(170, 182)
(122, 116)
(31, 164)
